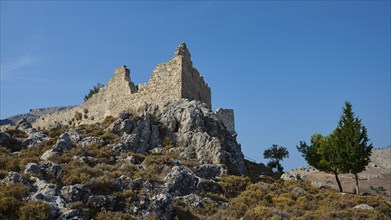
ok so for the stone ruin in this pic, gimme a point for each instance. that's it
(170, 81)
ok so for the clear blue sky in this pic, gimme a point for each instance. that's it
(286, 67)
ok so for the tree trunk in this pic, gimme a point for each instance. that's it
(357, 185)
(338, 182)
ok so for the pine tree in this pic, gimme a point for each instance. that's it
(351, 137)
(345, 150)
(322, 154)
(276, 154)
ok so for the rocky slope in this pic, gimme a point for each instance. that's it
(188, 147)
(178, 162)
(375, 179)
(33, 114)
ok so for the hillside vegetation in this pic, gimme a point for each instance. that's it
(178, 163)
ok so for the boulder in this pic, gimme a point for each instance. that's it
(194, 200)
(109, 202)
(363, 207)
(14, 177)
(210, 171)
(63, 143)
(90, 141)
(49, 153)
(74, 135)
(74, 193)
(289, 176)
(49, 193)
(181, 181)
(5, 139)
(34, 139)
(33, 169)
(161, 205)
(124, 114)
(49, 169)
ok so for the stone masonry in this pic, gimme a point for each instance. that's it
(170, 81)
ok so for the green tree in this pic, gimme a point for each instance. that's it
(345, 150)
(351, 136)
(92, 91)
(276, 154)
(322, 154)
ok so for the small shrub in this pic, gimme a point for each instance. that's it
(85, 110)
(108, 120)
(92, 91)
(35, 211)
(107, 215)
(110, 138)
(233, 185)
(78, 116)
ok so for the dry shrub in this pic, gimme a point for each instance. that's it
(35, 211)
(11, 197)
(233, 185)
(107, 215)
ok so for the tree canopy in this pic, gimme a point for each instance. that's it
(276, 153)
(92, 91)
(345, 150)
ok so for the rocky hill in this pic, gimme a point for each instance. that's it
(375, 179)
(33, 114)
(180, 162)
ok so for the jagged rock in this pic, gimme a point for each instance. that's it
(161, 205)
(21, 121)
(50, 170)
(193, 200)
(49, 153)
(120, 126)
(14, 177)
(74, 193)
(180, 181)
(55, 126)
(363, 207)
(45, 170)
(34, 139)
(90, 141)
(319, 185)
(73, 214)
(210, 171)
(74, 135)
(23, 124)
(144, 137)
(201, 134)
(123, 182)
(115, 126)
(63, 143)
(127, 126)
(110, 203)
(49, 193)
(288, 176)
(5, 139)
(124, 114)
(33, 169)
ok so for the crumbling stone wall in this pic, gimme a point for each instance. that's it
(170, 81)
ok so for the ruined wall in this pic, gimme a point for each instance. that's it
(170, 81)
(228, 118)
(193, 85)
